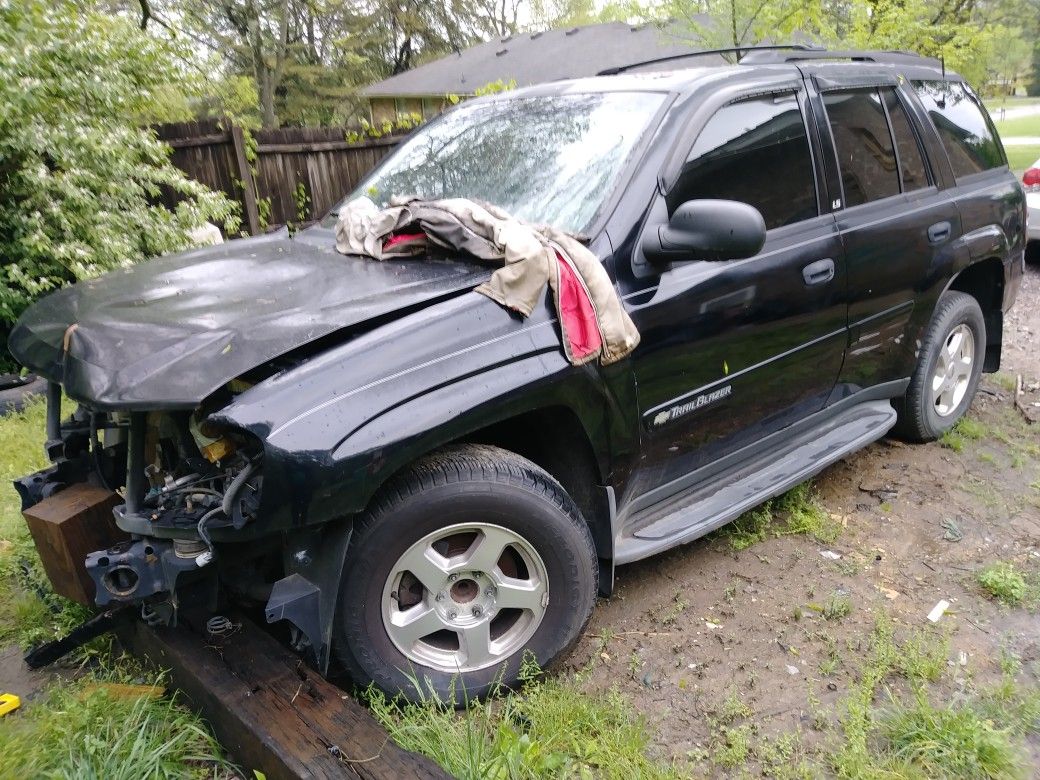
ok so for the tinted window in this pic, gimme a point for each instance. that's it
(755, 151)
(911, 163)
(965, 131)
(863, 144)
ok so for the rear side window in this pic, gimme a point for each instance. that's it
(911, 163)
(755, 151)
(965, 130)
(866, 157)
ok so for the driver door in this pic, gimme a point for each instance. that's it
(733, 351)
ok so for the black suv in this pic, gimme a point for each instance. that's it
(815, 246)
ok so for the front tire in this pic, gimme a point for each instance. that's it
(463, 563)
(947, 375)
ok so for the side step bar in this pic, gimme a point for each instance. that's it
(704, 508)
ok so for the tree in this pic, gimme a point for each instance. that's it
(80, 176)
(725, 23)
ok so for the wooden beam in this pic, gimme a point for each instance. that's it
(200, 140)
(270, 711)
(68, 526)
(245, 175)
(324, 146)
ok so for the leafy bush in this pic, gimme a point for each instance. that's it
(80, 173)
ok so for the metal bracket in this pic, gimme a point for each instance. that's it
(314, 560)
(298, 600)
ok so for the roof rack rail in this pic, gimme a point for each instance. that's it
(801, 47)
(766, 57)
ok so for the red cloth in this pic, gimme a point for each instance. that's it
(418, 240)
(577, 316)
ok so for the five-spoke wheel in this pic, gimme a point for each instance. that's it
(464, 565)
(948, 368)
(464, 597)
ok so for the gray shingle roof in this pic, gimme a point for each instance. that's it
(534, 58)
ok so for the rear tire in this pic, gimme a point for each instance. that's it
(467, 561)
(948, 369)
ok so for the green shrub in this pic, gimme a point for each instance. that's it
(80, 174)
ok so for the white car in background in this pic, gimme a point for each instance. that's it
(1031, 182)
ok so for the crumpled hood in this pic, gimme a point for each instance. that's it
(168, 332)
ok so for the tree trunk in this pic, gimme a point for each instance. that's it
(267, 114)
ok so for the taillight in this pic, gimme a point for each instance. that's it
(1031, 178)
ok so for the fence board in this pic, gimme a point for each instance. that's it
(320, 158)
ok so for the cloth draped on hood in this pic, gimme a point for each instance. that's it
(592, 319)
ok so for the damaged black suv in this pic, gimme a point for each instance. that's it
(816, 247)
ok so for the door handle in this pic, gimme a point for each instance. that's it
(939, 232)
(820, 272)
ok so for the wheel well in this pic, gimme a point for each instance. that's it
(554, 439)
(984, 281)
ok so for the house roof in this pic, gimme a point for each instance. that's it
(534, 58)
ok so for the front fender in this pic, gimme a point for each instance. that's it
(335, 428)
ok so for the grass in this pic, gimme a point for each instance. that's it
(554, 729)
(1003, 582)
(838, 606)
(914, 736)
(798, 511)
(1023, 125)
(1021, 157)
(72, 731)
(965, 430)
(736, 742)
(952, 741)
(80, 732)
(29, 610)
(1010, 101)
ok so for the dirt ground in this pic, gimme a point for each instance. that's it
(687, 629)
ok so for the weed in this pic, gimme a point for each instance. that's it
(952, 440)
(677, 608)
(829, 666)
(921, 658)
(731, 747)
(833, 660)
(965, 430)
(1005, 583)
(1004, 381)
(838, 606)
(635, 663)
(733, 708)
(797, 511)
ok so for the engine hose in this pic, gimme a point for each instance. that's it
(226, 507)
(207, 556)
(236, 485)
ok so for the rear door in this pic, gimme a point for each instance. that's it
(733, 351)
(898, 228)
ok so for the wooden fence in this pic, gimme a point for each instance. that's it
(264, 175)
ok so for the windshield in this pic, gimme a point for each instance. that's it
(548, 160)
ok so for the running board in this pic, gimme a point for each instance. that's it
(704, 508)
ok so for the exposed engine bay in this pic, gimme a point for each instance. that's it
(184, 481)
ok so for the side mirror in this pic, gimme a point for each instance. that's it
(706, 230)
